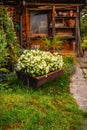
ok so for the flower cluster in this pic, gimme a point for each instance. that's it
(36, 62)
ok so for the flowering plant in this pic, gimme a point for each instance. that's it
(36, 62)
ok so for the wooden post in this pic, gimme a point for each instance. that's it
(27, 24)
(22, 7)
(21, 38)
(78, 40)
(53, 20)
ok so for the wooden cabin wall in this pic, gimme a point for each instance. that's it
(27, 24)
(25, 27)
(29, 41)
(14, 14)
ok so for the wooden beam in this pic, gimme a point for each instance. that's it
(56, 4)
(50, 6)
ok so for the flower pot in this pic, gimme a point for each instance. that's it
(71, 22)
(71, 13)
(64, 14)
(60, 13)
(39, 80)
(73, 45)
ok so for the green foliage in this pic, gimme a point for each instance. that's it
(4, 55)
(70, 69)
(9, 39)
(84, 43)
(47, 42)
(55, 43)
(9, 48)
(69, 65)
(50, 107)
(3, 48)
(84, 22)
(69, 59)
(5, 76)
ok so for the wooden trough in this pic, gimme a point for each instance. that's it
(38, 80)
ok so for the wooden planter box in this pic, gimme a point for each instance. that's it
(39, 80)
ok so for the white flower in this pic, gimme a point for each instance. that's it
(37, 62)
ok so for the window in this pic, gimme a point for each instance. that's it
(38, 23)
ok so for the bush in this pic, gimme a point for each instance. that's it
(69, 65)
(3, 48)
(84, 43)
(9, 49)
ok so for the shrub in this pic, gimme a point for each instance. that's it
(69, 66)
(84, 43)
(10, 46)
(3, 48)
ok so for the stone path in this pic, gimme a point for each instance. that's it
(78, 84)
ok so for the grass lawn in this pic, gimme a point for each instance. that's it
(50, 107)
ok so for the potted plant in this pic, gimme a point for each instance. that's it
(52, 44)
(57, 43)
(47, 43)
(71, 23)
(37, 67)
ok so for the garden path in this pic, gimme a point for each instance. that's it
(78, 84)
